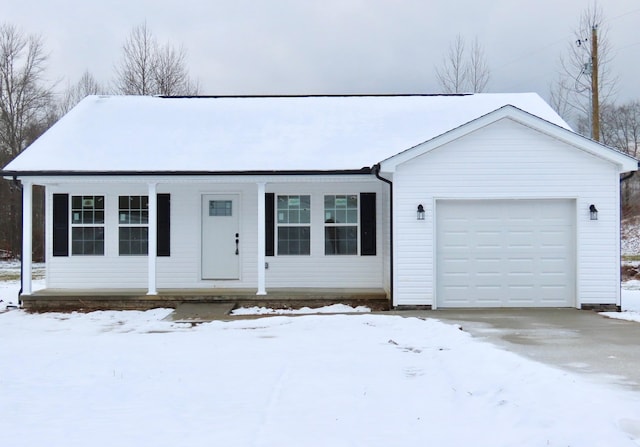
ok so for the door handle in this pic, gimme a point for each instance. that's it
(237, 244)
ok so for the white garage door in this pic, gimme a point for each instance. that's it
(505, 253)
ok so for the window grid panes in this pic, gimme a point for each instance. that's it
(294, 209)
(87, 241)
(341, 224)
(220, 207)
(87, 225)
(87, 210)
(294, 218)
(294, 241)
(133, 218)
(134, 240)
(133, 210)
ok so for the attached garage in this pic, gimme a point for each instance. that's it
(505, 253)
(496, 213)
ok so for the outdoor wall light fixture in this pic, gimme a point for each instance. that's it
(593, 212)
(420, 212)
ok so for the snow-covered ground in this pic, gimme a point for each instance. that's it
(333, 309)
(132, 379)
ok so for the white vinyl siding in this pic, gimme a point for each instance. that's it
(507, 160)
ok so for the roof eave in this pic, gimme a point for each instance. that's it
(12, 174)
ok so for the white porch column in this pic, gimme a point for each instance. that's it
(27, 235)
(153, 237)
(261, 241)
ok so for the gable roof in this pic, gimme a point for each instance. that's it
(624, 161)
(140, 134)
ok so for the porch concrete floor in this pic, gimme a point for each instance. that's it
(100, 299)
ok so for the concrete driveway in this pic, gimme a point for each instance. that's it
(576, 340)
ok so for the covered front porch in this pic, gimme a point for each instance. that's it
(189, 257)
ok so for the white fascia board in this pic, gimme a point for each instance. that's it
(624, 162)
(52, 180)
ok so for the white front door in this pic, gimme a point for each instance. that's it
(220, 236)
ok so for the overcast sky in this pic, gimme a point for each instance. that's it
(329, 46)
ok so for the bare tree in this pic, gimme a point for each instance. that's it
(452, 74)
(621, 127)
(478, 72)
(86, 85)
(135, 74)
(571, 94)
(559, 97)
(23, 98)
(171, 75)
(147, 68)
(25, 112)
(460, 72)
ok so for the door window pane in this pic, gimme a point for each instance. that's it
(220, 207)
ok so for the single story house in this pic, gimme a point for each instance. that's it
(479, 200)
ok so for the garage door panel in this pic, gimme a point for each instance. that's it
(503, 253)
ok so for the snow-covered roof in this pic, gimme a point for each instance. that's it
(220, 134)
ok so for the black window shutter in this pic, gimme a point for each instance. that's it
(269, 223)
(164, 225)
(368, 223)
(61, 225)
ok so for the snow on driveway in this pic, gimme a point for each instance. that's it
(130, 379)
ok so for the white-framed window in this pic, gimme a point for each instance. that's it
(293, 217)
(87, 225)
(133, 222)
(341, 224)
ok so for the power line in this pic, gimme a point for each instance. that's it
(622, 15)
(564, 39)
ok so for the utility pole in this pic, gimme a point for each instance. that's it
(595, 104)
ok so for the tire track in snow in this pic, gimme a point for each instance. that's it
(271, 406)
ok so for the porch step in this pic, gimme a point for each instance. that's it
(199, 312)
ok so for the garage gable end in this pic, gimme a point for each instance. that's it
(624, 162)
